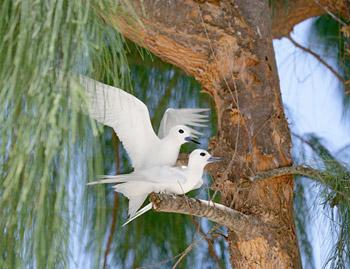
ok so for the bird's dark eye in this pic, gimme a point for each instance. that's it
(202, 154)
(181, 131)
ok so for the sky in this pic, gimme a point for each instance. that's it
(310, 92)
(313, 103)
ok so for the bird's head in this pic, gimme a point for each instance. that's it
(182, 134)
(200, 158)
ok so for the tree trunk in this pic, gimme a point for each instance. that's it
(227, 47)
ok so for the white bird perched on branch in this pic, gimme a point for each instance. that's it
(129, 117)
(137, 185)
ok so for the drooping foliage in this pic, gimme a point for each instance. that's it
(50, 148)
(332, 38)
(335, 196)
(329, 196)
(43, 132)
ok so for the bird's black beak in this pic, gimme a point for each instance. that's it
(215, 159)
(190, 139)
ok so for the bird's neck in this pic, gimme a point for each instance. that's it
(195, 169)
(171, 142)
(170, 139)
(170, 146)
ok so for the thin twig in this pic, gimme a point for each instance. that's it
(234, 99)
(193, 244)
(305, 141)
(340, 21)
(157, 264)
(209, 241)
(181, 254)
(318, 57)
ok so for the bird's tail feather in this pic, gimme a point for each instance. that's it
(135, 202)
(109, 179)
(116, 179)
(136, 192)
(139, 213)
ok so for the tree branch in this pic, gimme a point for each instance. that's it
(318, 57)
(340, 10)
(289, 170)
(241, 224)
(287, 15)
(341, 193)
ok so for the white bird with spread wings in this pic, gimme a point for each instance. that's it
(130, 119)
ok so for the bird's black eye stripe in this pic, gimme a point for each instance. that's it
(202, 154)
(181, 131)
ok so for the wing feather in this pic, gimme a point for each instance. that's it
(190, 117)
(127, 115)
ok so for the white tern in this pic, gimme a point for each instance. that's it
(137, 185)
(129, 117)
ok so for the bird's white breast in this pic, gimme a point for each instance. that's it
(162, 153)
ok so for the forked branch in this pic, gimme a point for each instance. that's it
(234, 220)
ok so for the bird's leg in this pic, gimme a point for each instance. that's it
(184, 195)
(162, 192)
(187, 200)
(197, 200)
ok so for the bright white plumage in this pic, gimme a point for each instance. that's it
(130, 119)
(137, 185)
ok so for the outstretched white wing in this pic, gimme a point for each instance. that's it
(126, 114)
(184, 116)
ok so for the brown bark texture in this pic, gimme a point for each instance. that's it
(218, 213)
(285, 16)
(227, 47)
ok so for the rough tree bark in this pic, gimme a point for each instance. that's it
(227, 47)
